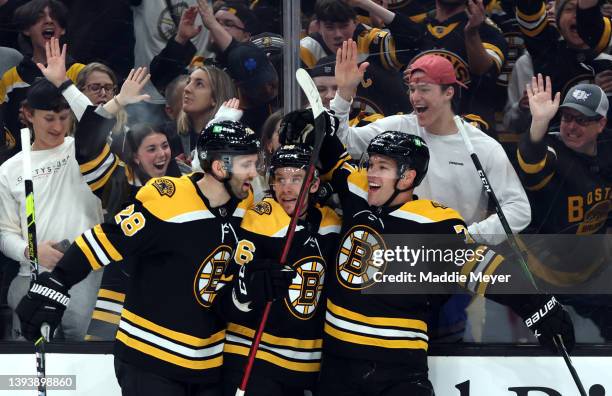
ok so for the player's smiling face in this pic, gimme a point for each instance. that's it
(430, 101)
(286, 184)
(382, 177)
(244, 170)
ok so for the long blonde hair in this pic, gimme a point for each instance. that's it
(121, 116)
(222, 88)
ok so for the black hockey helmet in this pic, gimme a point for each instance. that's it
(297, 127)
(409, 151)
(227, 138)
(290, 156)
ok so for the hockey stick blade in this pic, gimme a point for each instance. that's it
(310, 89)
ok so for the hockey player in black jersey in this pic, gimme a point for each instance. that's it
(374, 343)
(183, 231)
(289, 355)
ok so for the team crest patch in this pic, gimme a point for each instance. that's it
(437, 204)
(164, 187)
(306, 286)
(262, 208)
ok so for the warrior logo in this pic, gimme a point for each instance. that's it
(356, 268)
(164, 187)
(209, 278)
(306, 286)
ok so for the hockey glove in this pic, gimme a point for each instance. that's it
(551, 319)
(44, 303)
(298, 127)
(259, 282)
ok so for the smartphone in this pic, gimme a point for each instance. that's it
(62, 246)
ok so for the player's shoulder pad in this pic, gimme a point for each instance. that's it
(244, 205)
(267, 218)
(426, 211)
(357, 180)
(173, 199)
(331, 223)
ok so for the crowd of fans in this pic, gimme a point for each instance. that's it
(535, 75)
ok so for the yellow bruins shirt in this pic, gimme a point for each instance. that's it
(361, 323)
(184, 248)
(290, 349)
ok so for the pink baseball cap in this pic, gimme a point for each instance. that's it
(437, 69)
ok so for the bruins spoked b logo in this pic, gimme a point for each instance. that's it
(306, 286)
(208, 279)
(356, 269)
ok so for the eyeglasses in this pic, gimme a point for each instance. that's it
(580, 120)
(95, 88)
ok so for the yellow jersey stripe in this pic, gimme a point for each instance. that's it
(604, 40)
(93, 262)
(373, 341)
(375, 320)
(530, 169)
(100, 183)
(108, 247)
(90, 165)
(169, 357)
(276, 360)
(533, 17)
(541, 184)
(274, 340)
(172, 334)
(307, 57)
(106, 317)
(113, 295)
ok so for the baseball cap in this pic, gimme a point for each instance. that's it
(43, 95)
(437, 68)
(249, 65)
(589, 99)
(242, 12)
(325, 67)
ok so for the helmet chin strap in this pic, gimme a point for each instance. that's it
(396, 192)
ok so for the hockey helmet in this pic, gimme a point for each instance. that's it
(290, 156)
(409, 151)
(227, 138)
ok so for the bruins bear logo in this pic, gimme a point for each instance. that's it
(164, 186)
(262, 208)
(437, 204)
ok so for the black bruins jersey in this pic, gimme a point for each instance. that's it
(290, 349)
(570, 193)
(447, 39)
(361, 323)
(184, 248)
(551, 55)
(382, 89)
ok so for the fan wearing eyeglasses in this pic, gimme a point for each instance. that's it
(567, 174)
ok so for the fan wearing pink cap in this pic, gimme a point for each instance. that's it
(452, 178)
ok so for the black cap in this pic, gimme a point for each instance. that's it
(325, 67)
(249, 65)
(43, 95)
(242, 12)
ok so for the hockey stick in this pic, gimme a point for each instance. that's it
(314, 99)
(512, 240)
(39, 345)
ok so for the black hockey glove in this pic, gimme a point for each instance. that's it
(44, 303)
(550, 319)
(297, 127)
(261, 281)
